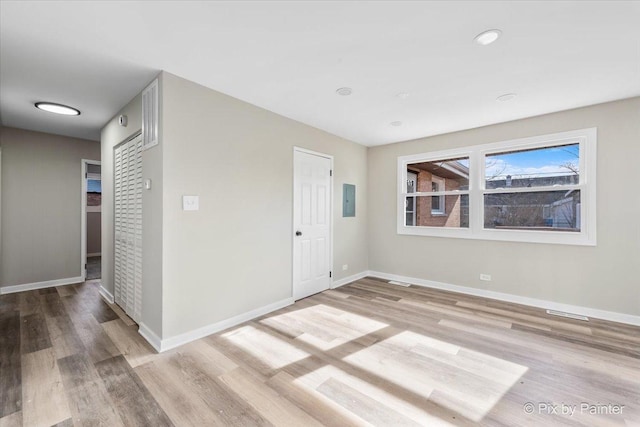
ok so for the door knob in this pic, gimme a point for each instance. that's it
(298, 233)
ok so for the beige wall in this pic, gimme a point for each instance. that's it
(234, 254)
(41, 205)
(603, 277)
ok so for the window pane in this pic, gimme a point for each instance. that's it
(440, 175)
(412, 178)
(94, 186)
(94, 192)
(436, 203)
(545, 210)
(410, 211)
(540, 167)
(419, 211)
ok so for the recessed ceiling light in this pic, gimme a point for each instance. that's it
(396, 123)
(344, 91)
(403, 95)
(487, 37)
(57, 108)
(506, 97)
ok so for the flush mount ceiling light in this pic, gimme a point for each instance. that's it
(52, 107)
(344, 91)
(506, 97)
(403, 95)
(396, 123)
(487, 37)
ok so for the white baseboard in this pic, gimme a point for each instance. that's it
(349, 279)
(533, 302)
(106, 295)
(178, 340)
(94, 254)
(150, 336)
(41, 285)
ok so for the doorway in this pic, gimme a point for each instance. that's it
(127, 191)
(312, 222)
(91, 237)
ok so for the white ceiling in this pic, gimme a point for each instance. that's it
(290, 57)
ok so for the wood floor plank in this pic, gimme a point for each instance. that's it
(88, 398)
(319, 406)
(176, 398)
(122, 315)
(43, 396)
(132, 400)
(29, 303)
(128, 342)
(66, 423)
(372, 411)
(64, 338)
(586, 341)
(34, 333)
(52, 305)
(9, 302)
(211, 361)
(230, 408)
(10, 364)
(101, 311)
(94, 338)
(540, 317)
(65, 291)
(191, 397)
(13, 420)
(266, 401)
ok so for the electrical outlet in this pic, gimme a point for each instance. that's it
(485, 277)
(345, 267)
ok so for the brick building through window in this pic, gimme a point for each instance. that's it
(438, 210)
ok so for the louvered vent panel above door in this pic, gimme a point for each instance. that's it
(150, 115)
(128, 227)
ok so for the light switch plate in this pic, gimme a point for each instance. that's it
(190, 203)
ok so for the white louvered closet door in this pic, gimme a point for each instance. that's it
(128, 227)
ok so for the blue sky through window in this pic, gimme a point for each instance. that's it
(541, 162)
(94, 186)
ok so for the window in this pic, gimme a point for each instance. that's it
(440, 192)
(539, 189)
(437, 202)
(94, 193)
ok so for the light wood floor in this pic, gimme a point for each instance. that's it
(366, 353)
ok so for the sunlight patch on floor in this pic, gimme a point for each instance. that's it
(465, 381)
(368, 401)
(270, 350)
(322, 326)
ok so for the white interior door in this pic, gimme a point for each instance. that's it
(128, 227)
(311, 224)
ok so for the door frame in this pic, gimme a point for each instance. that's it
(84, 163)
(293, 198)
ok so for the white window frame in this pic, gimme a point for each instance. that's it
(441, 187)
(586, 138)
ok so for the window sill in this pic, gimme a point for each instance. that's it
(519, 236)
